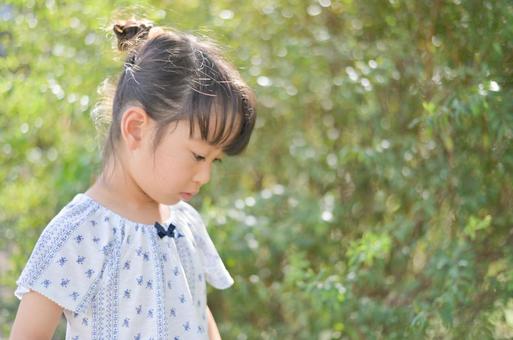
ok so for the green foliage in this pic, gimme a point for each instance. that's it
(375, 199)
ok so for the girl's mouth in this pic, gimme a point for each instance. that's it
(186, 196)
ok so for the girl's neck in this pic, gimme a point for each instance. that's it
(116, 190)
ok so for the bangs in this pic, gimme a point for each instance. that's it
(222, 110)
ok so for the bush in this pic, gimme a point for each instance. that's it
(375, 200)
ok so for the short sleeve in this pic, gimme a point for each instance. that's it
(69, 258)
(216, 273)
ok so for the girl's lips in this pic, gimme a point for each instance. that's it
(186, 196)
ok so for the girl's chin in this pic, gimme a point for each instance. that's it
(174, 199)
(170, 200)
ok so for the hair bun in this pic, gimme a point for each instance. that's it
(130, 33)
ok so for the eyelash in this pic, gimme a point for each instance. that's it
(200, 158)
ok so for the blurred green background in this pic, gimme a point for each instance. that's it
(375, 199)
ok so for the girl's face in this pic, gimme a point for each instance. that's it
(177, 168)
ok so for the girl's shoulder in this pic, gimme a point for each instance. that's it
(81, 209)
(79, 218)
(70, 256)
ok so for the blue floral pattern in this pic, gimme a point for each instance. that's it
(116, 279)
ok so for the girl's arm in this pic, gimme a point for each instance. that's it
(37, 318)
(213, 332)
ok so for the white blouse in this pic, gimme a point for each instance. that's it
(117, 279)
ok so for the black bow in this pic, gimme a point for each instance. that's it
(169, 232)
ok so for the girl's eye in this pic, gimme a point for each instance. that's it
(198, 157)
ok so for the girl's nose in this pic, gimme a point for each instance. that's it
(202, 176)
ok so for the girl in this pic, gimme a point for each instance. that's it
(128, 258)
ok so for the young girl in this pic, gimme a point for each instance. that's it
(128, 258)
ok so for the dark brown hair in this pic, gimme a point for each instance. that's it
(173, 76)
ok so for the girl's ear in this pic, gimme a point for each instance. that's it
(135, 126)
